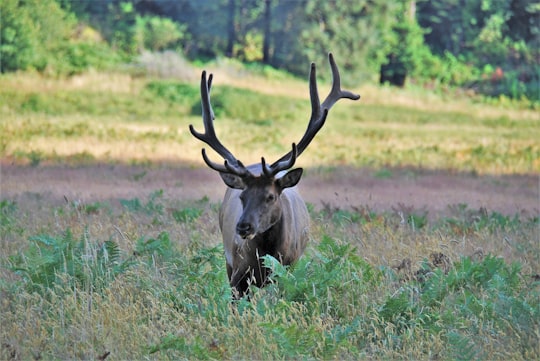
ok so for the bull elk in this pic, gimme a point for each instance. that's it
(262, 212)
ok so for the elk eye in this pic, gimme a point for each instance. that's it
(270, 198)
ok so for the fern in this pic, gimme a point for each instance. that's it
(461, 347)
(49, 259)
(154, 246)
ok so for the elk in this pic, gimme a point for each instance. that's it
(262, 212)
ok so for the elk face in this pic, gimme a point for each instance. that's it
(260, 197)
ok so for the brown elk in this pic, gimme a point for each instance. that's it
(262, 212)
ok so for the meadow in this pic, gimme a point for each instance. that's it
(120, 117)
(144, 277)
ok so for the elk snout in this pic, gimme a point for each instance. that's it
(244, 229)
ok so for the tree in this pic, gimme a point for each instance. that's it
(32, 32)
(305, 31)
(497, 37)
(232, 29)
(156, 33)
(407, 53)
(267, 30)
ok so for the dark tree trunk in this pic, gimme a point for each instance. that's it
(232, 30)
(394, 72)
(267, 31)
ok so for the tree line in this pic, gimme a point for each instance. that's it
(488, 45)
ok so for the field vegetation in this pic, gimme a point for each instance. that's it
(96, 117)
(144, 277)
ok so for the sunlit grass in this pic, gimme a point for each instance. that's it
(103, 116)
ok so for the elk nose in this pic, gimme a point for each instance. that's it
(244, 229)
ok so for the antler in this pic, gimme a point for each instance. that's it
(231, 165)
(318, 112)
(271, 171)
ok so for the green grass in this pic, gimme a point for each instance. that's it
(125, 119)
(145, 279)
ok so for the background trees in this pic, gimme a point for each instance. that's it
(488, 45)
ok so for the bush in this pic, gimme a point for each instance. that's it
(155, 33)
(39, 35)
(32, 31)
(74, 58)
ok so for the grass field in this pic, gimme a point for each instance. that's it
(144, 277)
(120, 118)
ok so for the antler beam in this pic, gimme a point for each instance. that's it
(232, 165)
(319, 112)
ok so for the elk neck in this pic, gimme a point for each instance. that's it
(269, 242)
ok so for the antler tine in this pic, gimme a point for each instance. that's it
(209, 136)
(277, 167)
(336, 93)
(231, 165)
(320, 112)
(226, 167)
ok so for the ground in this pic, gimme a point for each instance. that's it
(378, 190)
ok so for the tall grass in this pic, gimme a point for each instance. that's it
(145, 279)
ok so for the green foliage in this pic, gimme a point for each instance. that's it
(156, 33)
(96, 103)
(160, 246)
(119, 26)
(187, 214)
(67, 262)
(227, 101)
(77, 57)
(190, 212)
(441, 43)
(242, 104)
(153, 206)
(7, 216)
(345, 28)
(156, 115)
(484, 32)
(196, 349)
(332, 270)
(174, 92)
(37, 34)
(472, 292)
(31, 32)
(463, 220)
(34, 157)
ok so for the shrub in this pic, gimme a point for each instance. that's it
(156, 34)
(39, 35)
(31, 32)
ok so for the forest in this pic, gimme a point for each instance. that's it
(490, 47)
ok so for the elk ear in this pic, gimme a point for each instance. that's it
(290, 179)
(233, 181)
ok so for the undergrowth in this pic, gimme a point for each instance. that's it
(146, 279)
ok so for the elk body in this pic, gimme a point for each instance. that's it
(262, 212)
